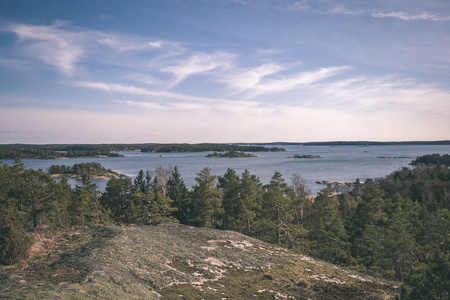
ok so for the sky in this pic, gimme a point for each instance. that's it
(193, 71)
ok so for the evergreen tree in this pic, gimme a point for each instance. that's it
(142, 182)
(35, 197)
(150, 209)
(205, 207)
(250, 199)
(84, 209)
(177, 191)
(367, 229)
(277, 211)
(229, 185)
(116, 198)
(57, 206)
(326, 228)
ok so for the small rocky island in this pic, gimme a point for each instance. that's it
(230, 154)
(306, 156)
(91, 169)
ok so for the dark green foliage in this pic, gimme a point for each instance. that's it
(230, 187)
(230, 154)
(205, 209)
(429, 185)
(142, 183)
(397, 227)
(326, 229)
(88, 169)
(150, 209)
(49, 152)
(21, 152)
(205, 147)
(110, 150)
(116, 198)
(435, 159)
(14, 242)
(177, 191)
(277, 210)
(250, 201)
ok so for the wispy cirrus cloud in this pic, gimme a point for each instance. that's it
(291, 82)
(133, 90)
(340, 9)
(51, 44)
(242, 80)
(370, 95)
(67, 47)
(199, 63)
(268, 52)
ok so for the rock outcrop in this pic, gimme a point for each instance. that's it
(172, 261)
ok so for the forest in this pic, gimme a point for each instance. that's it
(396, 227)
(23, 151)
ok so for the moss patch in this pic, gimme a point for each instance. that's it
(173, 261)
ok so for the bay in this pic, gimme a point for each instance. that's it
(338, 163)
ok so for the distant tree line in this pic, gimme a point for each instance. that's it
(9, 152)
(370, 143)
(206, 147)
(390, 227)
(37, 152)
(21, 151)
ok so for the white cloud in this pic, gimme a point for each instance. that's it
(197, 64)
(143, 78)
(65, 46)
(156, 44)
(410, 17)
(133, 90)
(298, 6)
(243, 80)
(371, 95)
(51, 44)
(294, 81)
(268, 52)
(340, 9)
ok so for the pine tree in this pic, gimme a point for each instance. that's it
(277, 210)
(205, 207)
(250, 199)
(178, 192)
(368, 228)
(116, 198)
(326, 228)
(84, 209)
(35, 196)
(150, 209)
(229, 185)
(142, 182)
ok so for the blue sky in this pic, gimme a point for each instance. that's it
(223, 71)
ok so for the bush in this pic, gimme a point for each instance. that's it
(14, 242)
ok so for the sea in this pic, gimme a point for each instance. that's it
(337, 163)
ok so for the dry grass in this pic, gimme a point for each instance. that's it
(41, 247)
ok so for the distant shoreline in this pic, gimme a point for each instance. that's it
(357, 143)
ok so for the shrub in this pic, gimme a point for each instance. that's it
(14, 242)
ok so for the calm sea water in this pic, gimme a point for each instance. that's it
(339, 163)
